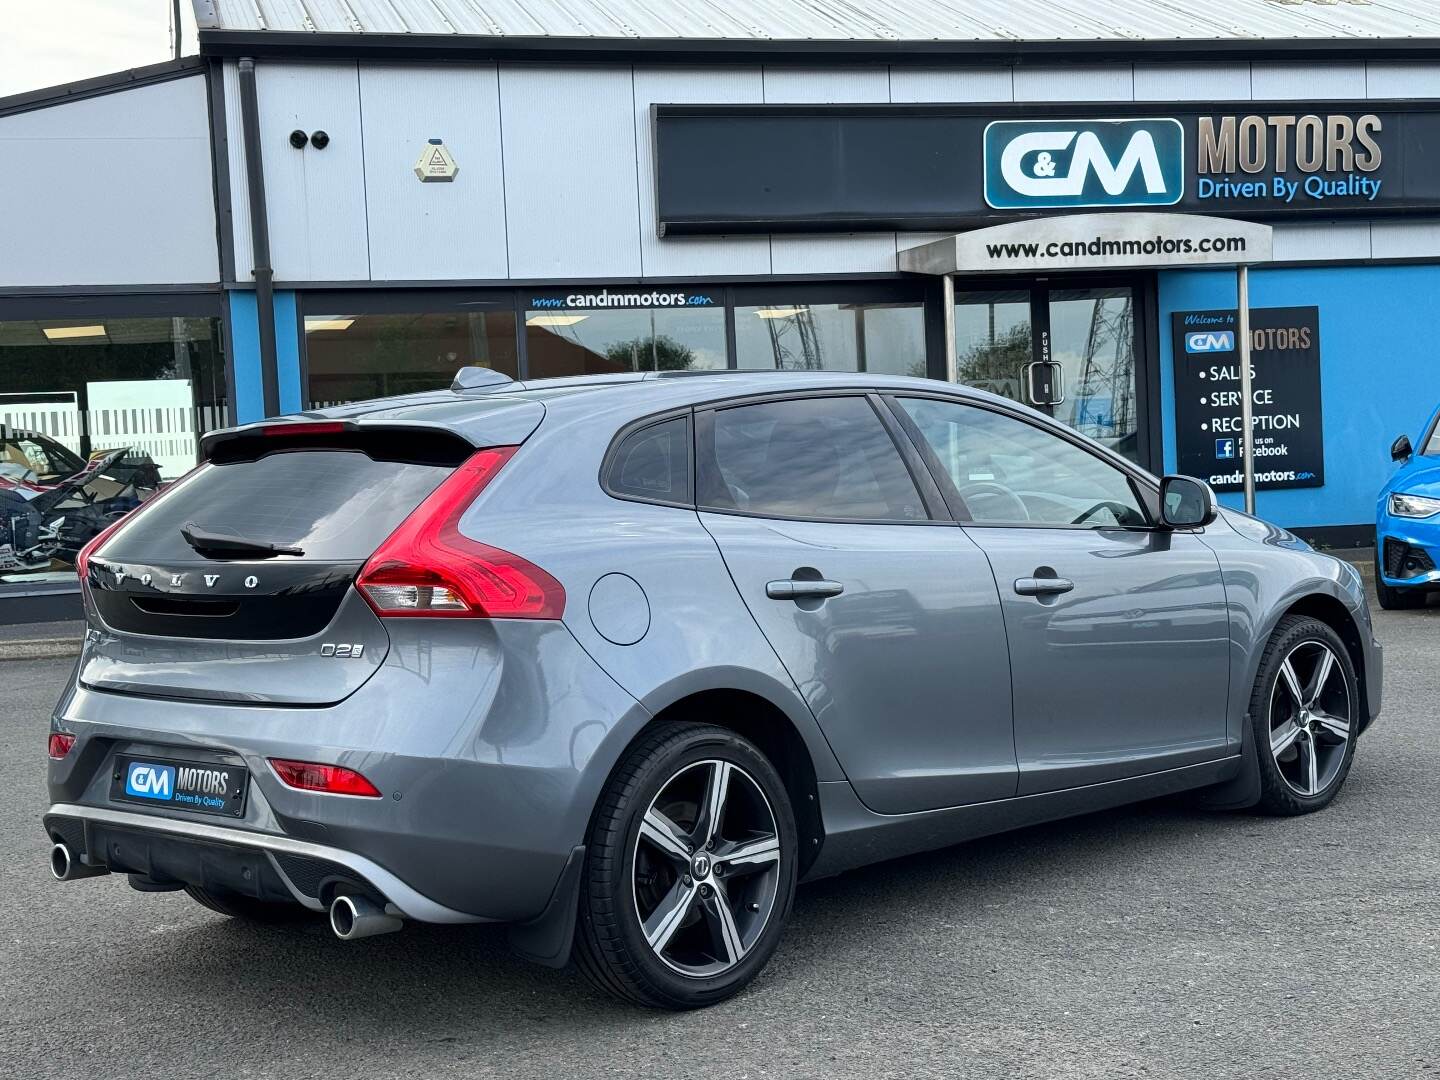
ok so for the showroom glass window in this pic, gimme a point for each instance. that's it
(352, 356)
(573, 339)
(882, 337)
(95, 414)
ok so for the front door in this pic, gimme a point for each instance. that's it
(1118, 631)
(884, 613)
(1087, 333)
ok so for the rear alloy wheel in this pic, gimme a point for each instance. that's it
(690, 871)
(1306, 709)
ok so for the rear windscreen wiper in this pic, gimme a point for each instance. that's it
(209, 541)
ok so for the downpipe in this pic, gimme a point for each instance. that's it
(354, 917)
(66, 867)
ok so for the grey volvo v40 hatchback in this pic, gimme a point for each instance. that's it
(619, 660)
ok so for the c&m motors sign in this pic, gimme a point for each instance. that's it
(1090, 163)
(932, 166)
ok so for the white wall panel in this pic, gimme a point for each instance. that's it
(1307, 82)
(1093, 82)
(1192, 82)
(437, 230)
(1405, 240)
(1392, 80)
(695, 256)
(571, 179)
(841, 253)
(315, 199)
(1322, 241)
(951, 84)
(112, 190)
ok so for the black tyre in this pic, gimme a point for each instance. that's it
(248, 908)
(1304, 709)
(1392, 599)
(689, 870)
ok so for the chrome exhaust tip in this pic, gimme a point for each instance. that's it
(66, 867)
(354, 917)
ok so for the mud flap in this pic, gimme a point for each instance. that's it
(1241, 791)
(547, 939)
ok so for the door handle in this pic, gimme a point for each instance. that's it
(802, 588)
(1042, 586)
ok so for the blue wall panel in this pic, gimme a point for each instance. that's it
(287, 351)
(1378, 375)
(245, 341)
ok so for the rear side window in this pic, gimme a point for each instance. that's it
(336, 505)
(827, 458)
(653, 464)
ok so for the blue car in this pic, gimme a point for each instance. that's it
(1407, 524)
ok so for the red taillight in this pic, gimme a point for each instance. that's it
(427, 568)
(60, 745)
(330, 779)
(93, 545)
(304, 427)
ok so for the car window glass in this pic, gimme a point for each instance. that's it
(653, 463)
(828, 458)
(1009, 472)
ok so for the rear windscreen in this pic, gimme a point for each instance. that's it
(336, 505)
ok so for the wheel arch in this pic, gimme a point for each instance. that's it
(765, 724)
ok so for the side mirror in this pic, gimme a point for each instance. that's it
(1401, 450)
(1186, 503)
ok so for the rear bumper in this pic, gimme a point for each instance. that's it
(203, 854)
(488, 771)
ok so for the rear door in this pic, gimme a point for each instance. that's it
(172, 621)
(885, 616)
(1118, 631)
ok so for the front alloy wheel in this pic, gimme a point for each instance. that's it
(690, 869)
(1306, 711)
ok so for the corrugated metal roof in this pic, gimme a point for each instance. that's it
(842, 20)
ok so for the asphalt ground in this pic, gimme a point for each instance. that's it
(1153, 941)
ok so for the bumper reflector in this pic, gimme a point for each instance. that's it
(60, 745)
(327, 779)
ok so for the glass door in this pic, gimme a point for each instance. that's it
(1089, 333)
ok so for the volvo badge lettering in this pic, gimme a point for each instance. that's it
(1065, 163)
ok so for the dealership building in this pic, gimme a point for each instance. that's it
(336, 201)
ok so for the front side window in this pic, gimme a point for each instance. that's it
(824, 458)
(95, 414)
(885, 338)
(1009, 472)
(603, 342)
(353, 357)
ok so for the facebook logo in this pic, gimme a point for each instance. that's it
(150, 781)
(1224, 448)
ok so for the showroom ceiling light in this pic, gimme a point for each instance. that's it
(778, 312)
(59, 333)
(554, 320)
(328, 324)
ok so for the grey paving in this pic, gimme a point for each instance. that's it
(1155, 941)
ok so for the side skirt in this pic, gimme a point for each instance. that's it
(856, 836)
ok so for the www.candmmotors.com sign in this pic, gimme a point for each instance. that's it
(770, 168)
(1131, 240)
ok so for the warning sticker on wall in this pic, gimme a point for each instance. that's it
(436, 164)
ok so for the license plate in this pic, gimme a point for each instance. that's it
(202, 787)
